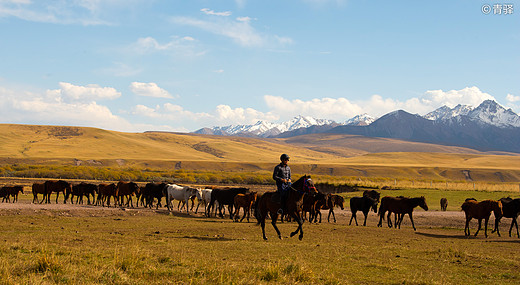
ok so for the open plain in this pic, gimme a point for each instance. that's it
(85, 244)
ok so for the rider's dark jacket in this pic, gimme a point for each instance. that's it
(282, 172)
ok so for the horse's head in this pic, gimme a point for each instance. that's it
(340, 201)
(497, 209)
(198, 193)
(308, 185)
(422, 203)
(253, 195)
(374, 204)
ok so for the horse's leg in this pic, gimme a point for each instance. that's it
(516, 224)
(274, 218)
(300, 226)
(197, 209)
(497, 221)
(381, 217)
(411, 219)
(236, 215)
(230, 210)
(466, 227)
(389, 219)
(245, 212)
(366, 215)
(485, 226)
(352, 217)
(262, 224)
(479, 226)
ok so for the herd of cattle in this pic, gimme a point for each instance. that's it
(236, 198)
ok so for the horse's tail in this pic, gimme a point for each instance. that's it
(258, 209)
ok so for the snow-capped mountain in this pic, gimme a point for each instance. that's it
(446, 113)
(486, 127)
(360, 120)
(488, 112)
(267, 129)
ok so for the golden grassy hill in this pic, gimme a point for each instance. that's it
(330, 154)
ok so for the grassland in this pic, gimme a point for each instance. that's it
(327, 155)
(60, 244)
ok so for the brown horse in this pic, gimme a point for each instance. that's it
(363, 204)
(400, 207)
(444, 204)
(244, 201)
(126, 189)
(481, 210)
(105, 191)
(510, 209)
(312, 205)
(267, 205)
(57, 186)
(333, 200)
(38, 188)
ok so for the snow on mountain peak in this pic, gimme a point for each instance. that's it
(488, 112)
(360, 120)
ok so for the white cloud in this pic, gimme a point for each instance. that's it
(82, 12)
(184, 47)
(512, 98)
(222, 115)
(467, 96)
(319, 107)
(213, 13)
(243, 19)
(239, 30)
(71, 92)
(149, 90)
(340, 109)
(48, 108)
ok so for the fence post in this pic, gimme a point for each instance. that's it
(395, 181)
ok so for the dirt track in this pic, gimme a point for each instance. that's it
(449, 219)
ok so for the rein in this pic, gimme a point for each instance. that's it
(306, 187)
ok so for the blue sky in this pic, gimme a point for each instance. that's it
(132, 65)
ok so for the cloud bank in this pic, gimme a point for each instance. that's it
(78, 105)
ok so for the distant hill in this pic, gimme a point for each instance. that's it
(487, 127)
(320, 153)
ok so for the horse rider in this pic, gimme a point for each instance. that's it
(282, 176)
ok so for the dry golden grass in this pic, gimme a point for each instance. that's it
(324, 154)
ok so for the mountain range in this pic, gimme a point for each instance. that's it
(487, 127)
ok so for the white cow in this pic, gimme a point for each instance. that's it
(181, 193)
